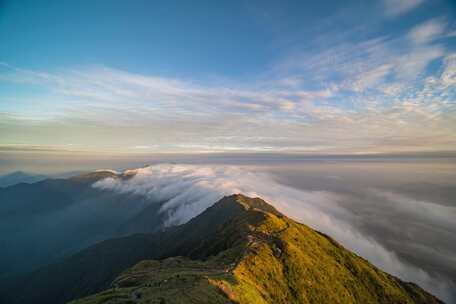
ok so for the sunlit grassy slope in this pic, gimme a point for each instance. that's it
(258, 256)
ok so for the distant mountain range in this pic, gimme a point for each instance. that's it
(55, 218)
(17, 177)
(240, 250)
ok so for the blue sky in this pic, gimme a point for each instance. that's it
(205, 76)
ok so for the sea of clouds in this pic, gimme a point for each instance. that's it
(189, 189)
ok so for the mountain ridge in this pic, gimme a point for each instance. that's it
(17, 177)
(239, 250)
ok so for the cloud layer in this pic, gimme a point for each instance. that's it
(190, 189)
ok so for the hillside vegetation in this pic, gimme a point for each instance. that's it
(241, 250)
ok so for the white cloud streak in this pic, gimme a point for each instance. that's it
(427, 31)
(395, 8)
(413, 64)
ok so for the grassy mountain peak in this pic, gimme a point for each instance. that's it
(242, 250)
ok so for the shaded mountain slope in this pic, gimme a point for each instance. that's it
(94, 268)
(51, 219)
(240, 250)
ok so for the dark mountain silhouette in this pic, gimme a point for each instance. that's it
(18, 177)
(54, 218)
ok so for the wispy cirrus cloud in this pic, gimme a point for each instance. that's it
(394, 8)
(427, 31)
(246, 117)
(363, 64)
(350, 95)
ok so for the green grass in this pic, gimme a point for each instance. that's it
(173, 280)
